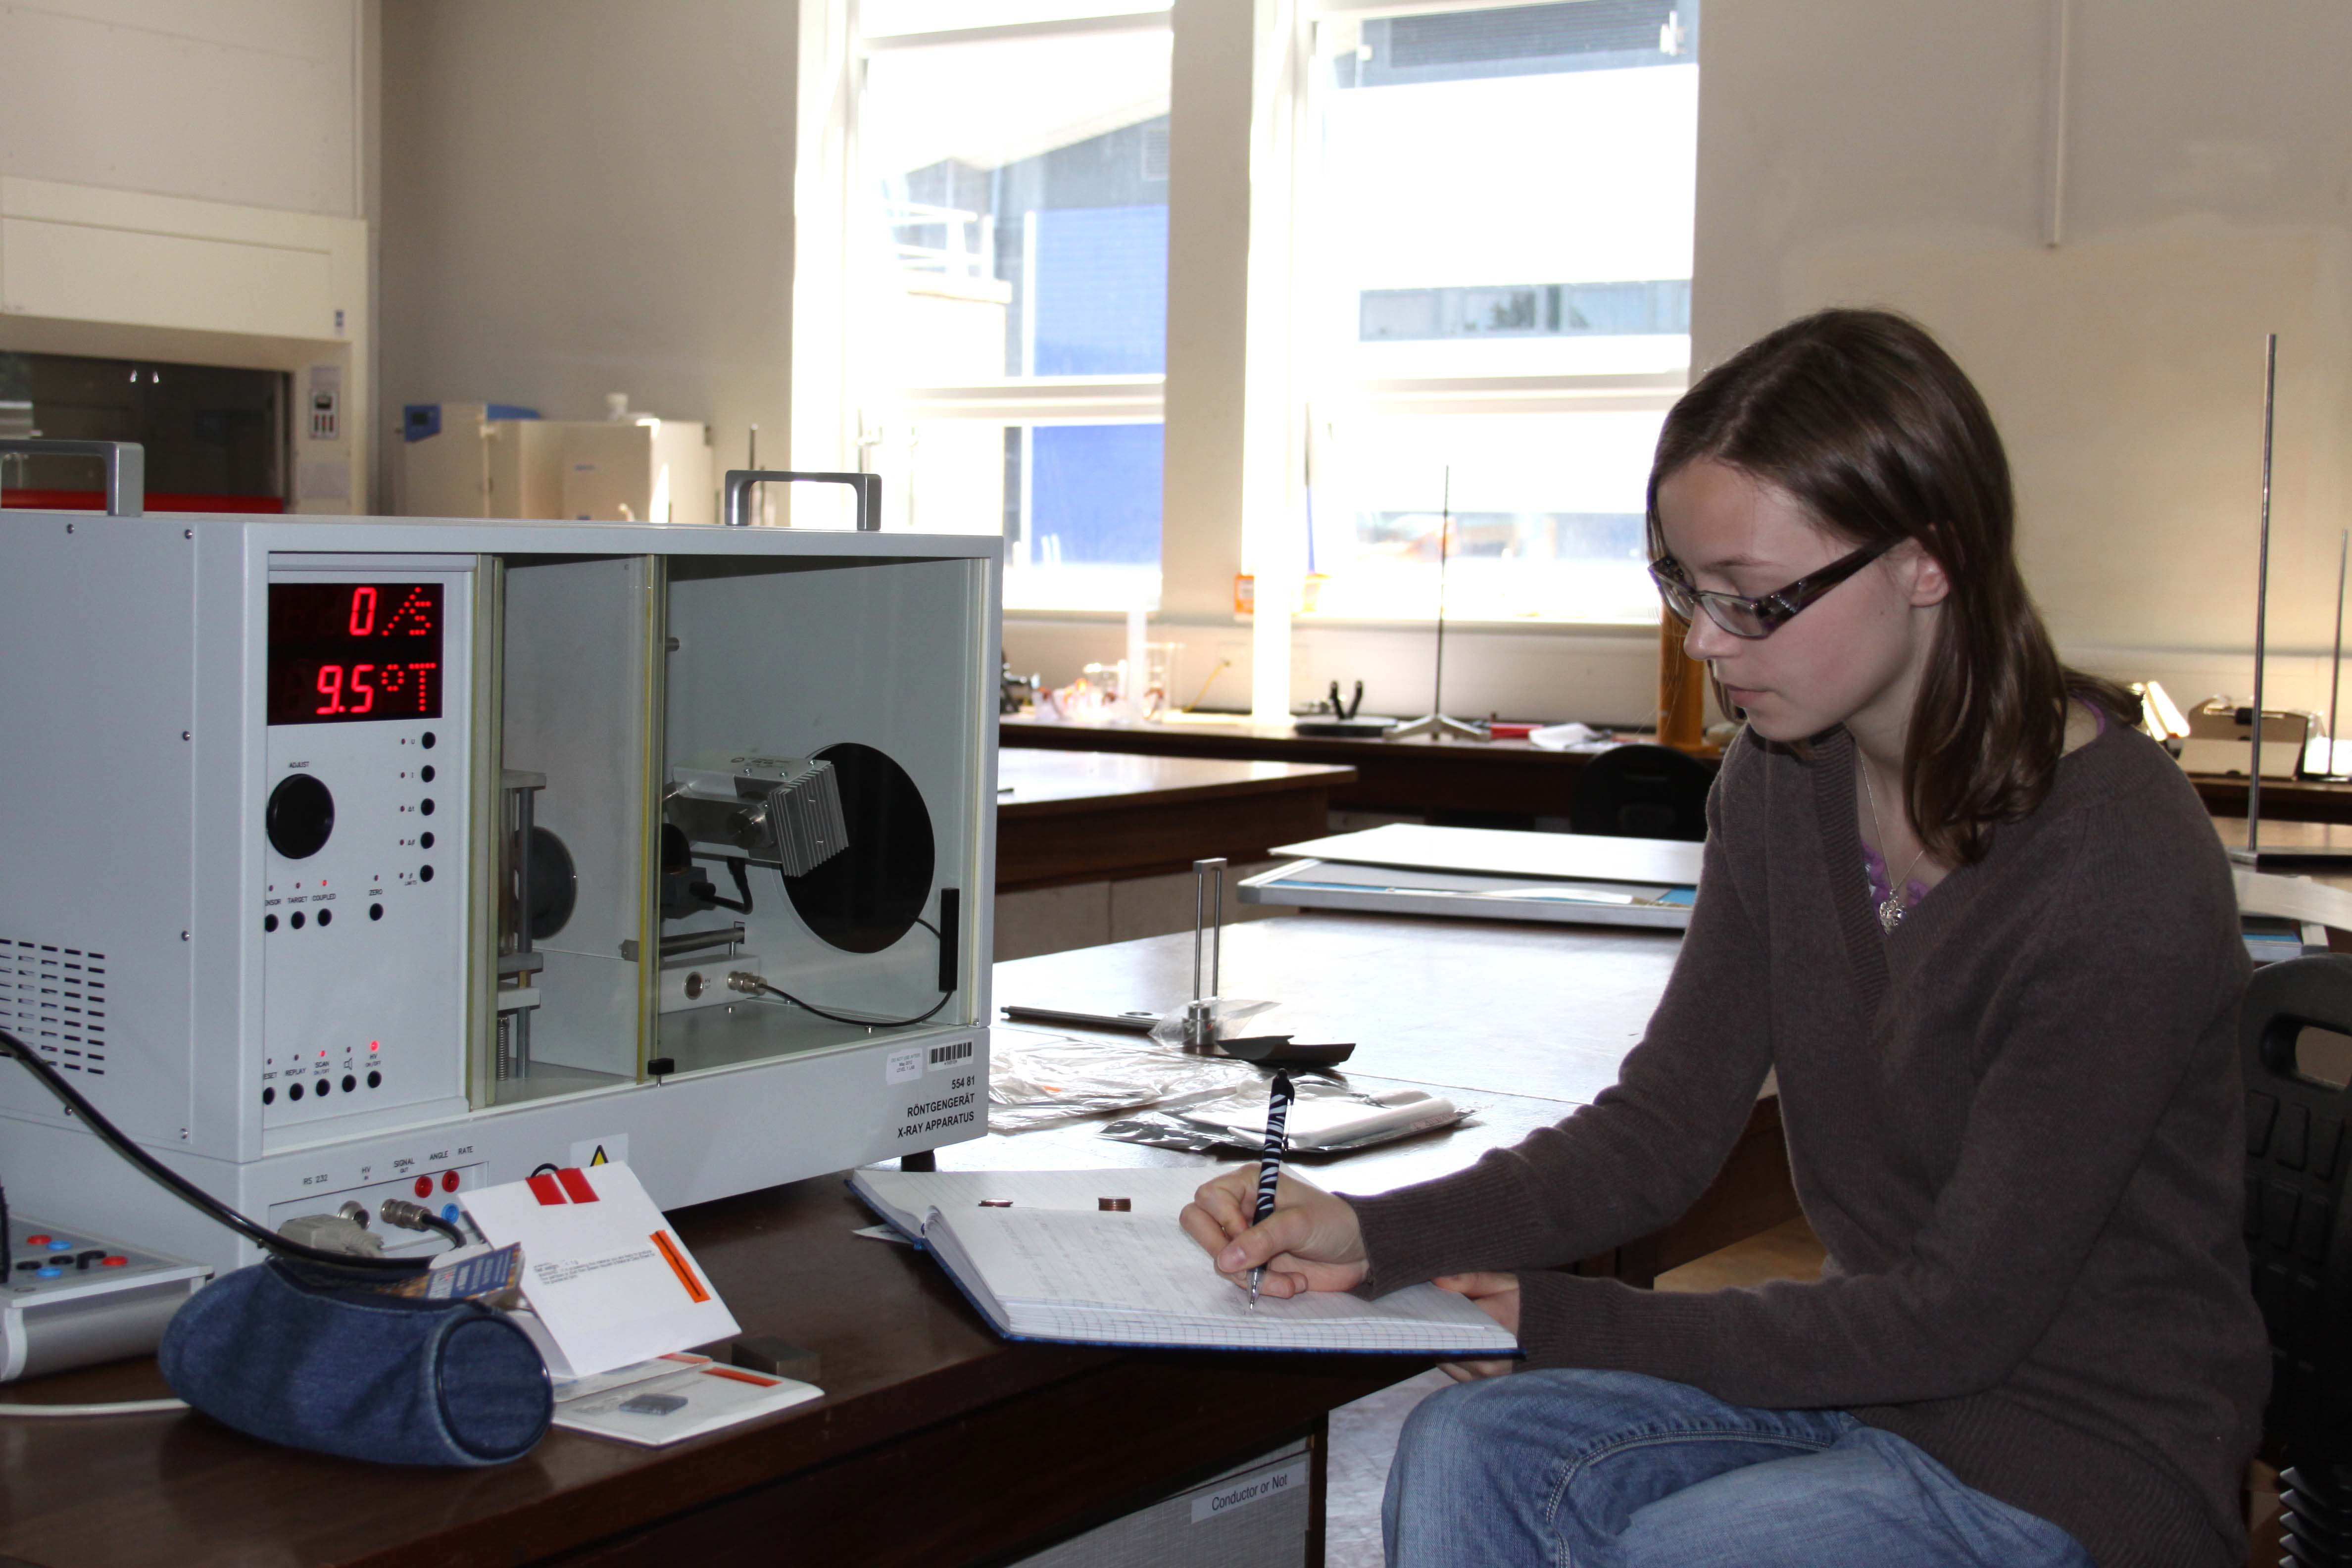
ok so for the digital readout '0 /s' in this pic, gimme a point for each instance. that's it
(354, 651)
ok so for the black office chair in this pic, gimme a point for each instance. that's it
(1642, 792)
(2295, 1233)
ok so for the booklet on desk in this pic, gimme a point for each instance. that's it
(1037, 1270)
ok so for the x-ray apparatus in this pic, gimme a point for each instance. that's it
(348, 859)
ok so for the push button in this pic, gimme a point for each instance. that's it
(42, 1241)
(49, 1273)
(59, 1246)
(117, 1261)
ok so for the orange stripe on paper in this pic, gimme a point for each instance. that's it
(750, 1377)
(677, 1261)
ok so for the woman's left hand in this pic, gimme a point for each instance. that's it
(1498, 1296)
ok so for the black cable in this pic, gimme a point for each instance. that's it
(179, 1186)
(416, 1217)
(742, 906)
(836, 1017)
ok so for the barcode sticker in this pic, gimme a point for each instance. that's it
(945, 1057)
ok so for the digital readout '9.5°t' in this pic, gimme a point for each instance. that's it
(354, 652)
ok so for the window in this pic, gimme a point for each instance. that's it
(1494, 228)
(1015, 156)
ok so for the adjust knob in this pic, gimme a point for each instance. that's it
(300, 817)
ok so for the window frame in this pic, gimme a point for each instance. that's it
(843, 417)
(1465, 395)
(881, 411)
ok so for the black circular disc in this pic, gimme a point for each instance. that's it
(301, 816)
(554, 885)
(871, 894)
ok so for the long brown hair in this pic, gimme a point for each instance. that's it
(1864, 419)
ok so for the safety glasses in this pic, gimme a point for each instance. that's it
(1766, 613)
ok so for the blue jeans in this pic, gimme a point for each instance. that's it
(1611, 1470)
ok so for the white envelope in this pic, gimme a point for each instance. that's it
(607, 1279)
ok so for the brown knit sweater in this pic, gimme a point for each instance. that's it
(2015, 1123)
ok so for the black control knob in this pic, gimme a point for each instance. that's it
(302, 817)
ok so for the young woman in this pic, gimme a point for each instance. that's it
(1985, 933)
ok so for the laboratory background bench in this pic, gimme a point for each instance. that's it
(1096, 847)
(936, 1442)
(1500, 783)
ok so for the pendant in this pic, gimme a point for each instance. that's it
(1891, 912)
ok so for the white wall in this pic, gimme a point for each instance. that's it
(185, 181)
(584, 196)
(254, 102)
(1859, 151)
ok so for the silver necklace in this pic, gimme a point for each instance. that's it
(1894, 907)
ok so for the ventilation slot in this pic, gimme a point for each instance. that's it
(53, 997)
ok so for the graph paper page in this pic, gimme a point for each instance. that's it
(1135, 1279)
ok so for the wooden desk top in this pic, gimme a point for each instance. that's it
(1241, 739)
(2284, 800)
(1487, 781)
(1055, 783)
(922, 1401)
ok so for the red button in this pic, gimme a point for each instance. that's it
(36, 1241)
(448, 1181)
(424, 1186)
(116, 1262)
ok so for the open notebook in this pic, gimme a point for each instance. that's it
(1082, 1275)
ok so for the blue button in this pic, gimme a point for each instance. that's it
(449, 1212)
(48, 1273)
(61, 1246)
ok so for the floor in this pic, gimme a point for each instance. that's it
(1364, 1435)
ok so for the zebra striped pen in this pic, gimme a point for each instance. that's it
(1269, 1165)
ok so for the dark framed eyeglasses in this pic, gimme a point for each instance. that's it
(1766, 613)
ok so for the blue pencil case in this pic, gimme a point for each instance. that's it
(298, 1357)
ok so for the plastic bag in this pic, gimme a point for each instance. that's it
(1038, 1079)
(1235, 1121)
(1228, 1011)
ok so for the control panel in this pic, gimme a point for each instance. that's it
(365, 810)
(440, 1188)
(72, 1298)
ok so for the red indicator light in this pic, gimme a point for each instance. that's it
(448, 1181)
(424, 1186)
(375, 1045)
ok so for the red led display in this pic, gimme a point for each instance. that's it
(344, 652)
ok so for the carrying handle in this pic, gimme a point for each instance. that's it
(739, 483)
(126, 468)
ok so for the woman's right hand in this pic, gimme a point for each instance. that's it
(1310, 1242)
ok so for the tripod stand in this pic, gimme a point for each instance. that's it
(1436, 722)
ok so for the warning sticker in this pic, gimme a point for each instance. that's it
(1226, 1496)
(590, 1153)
